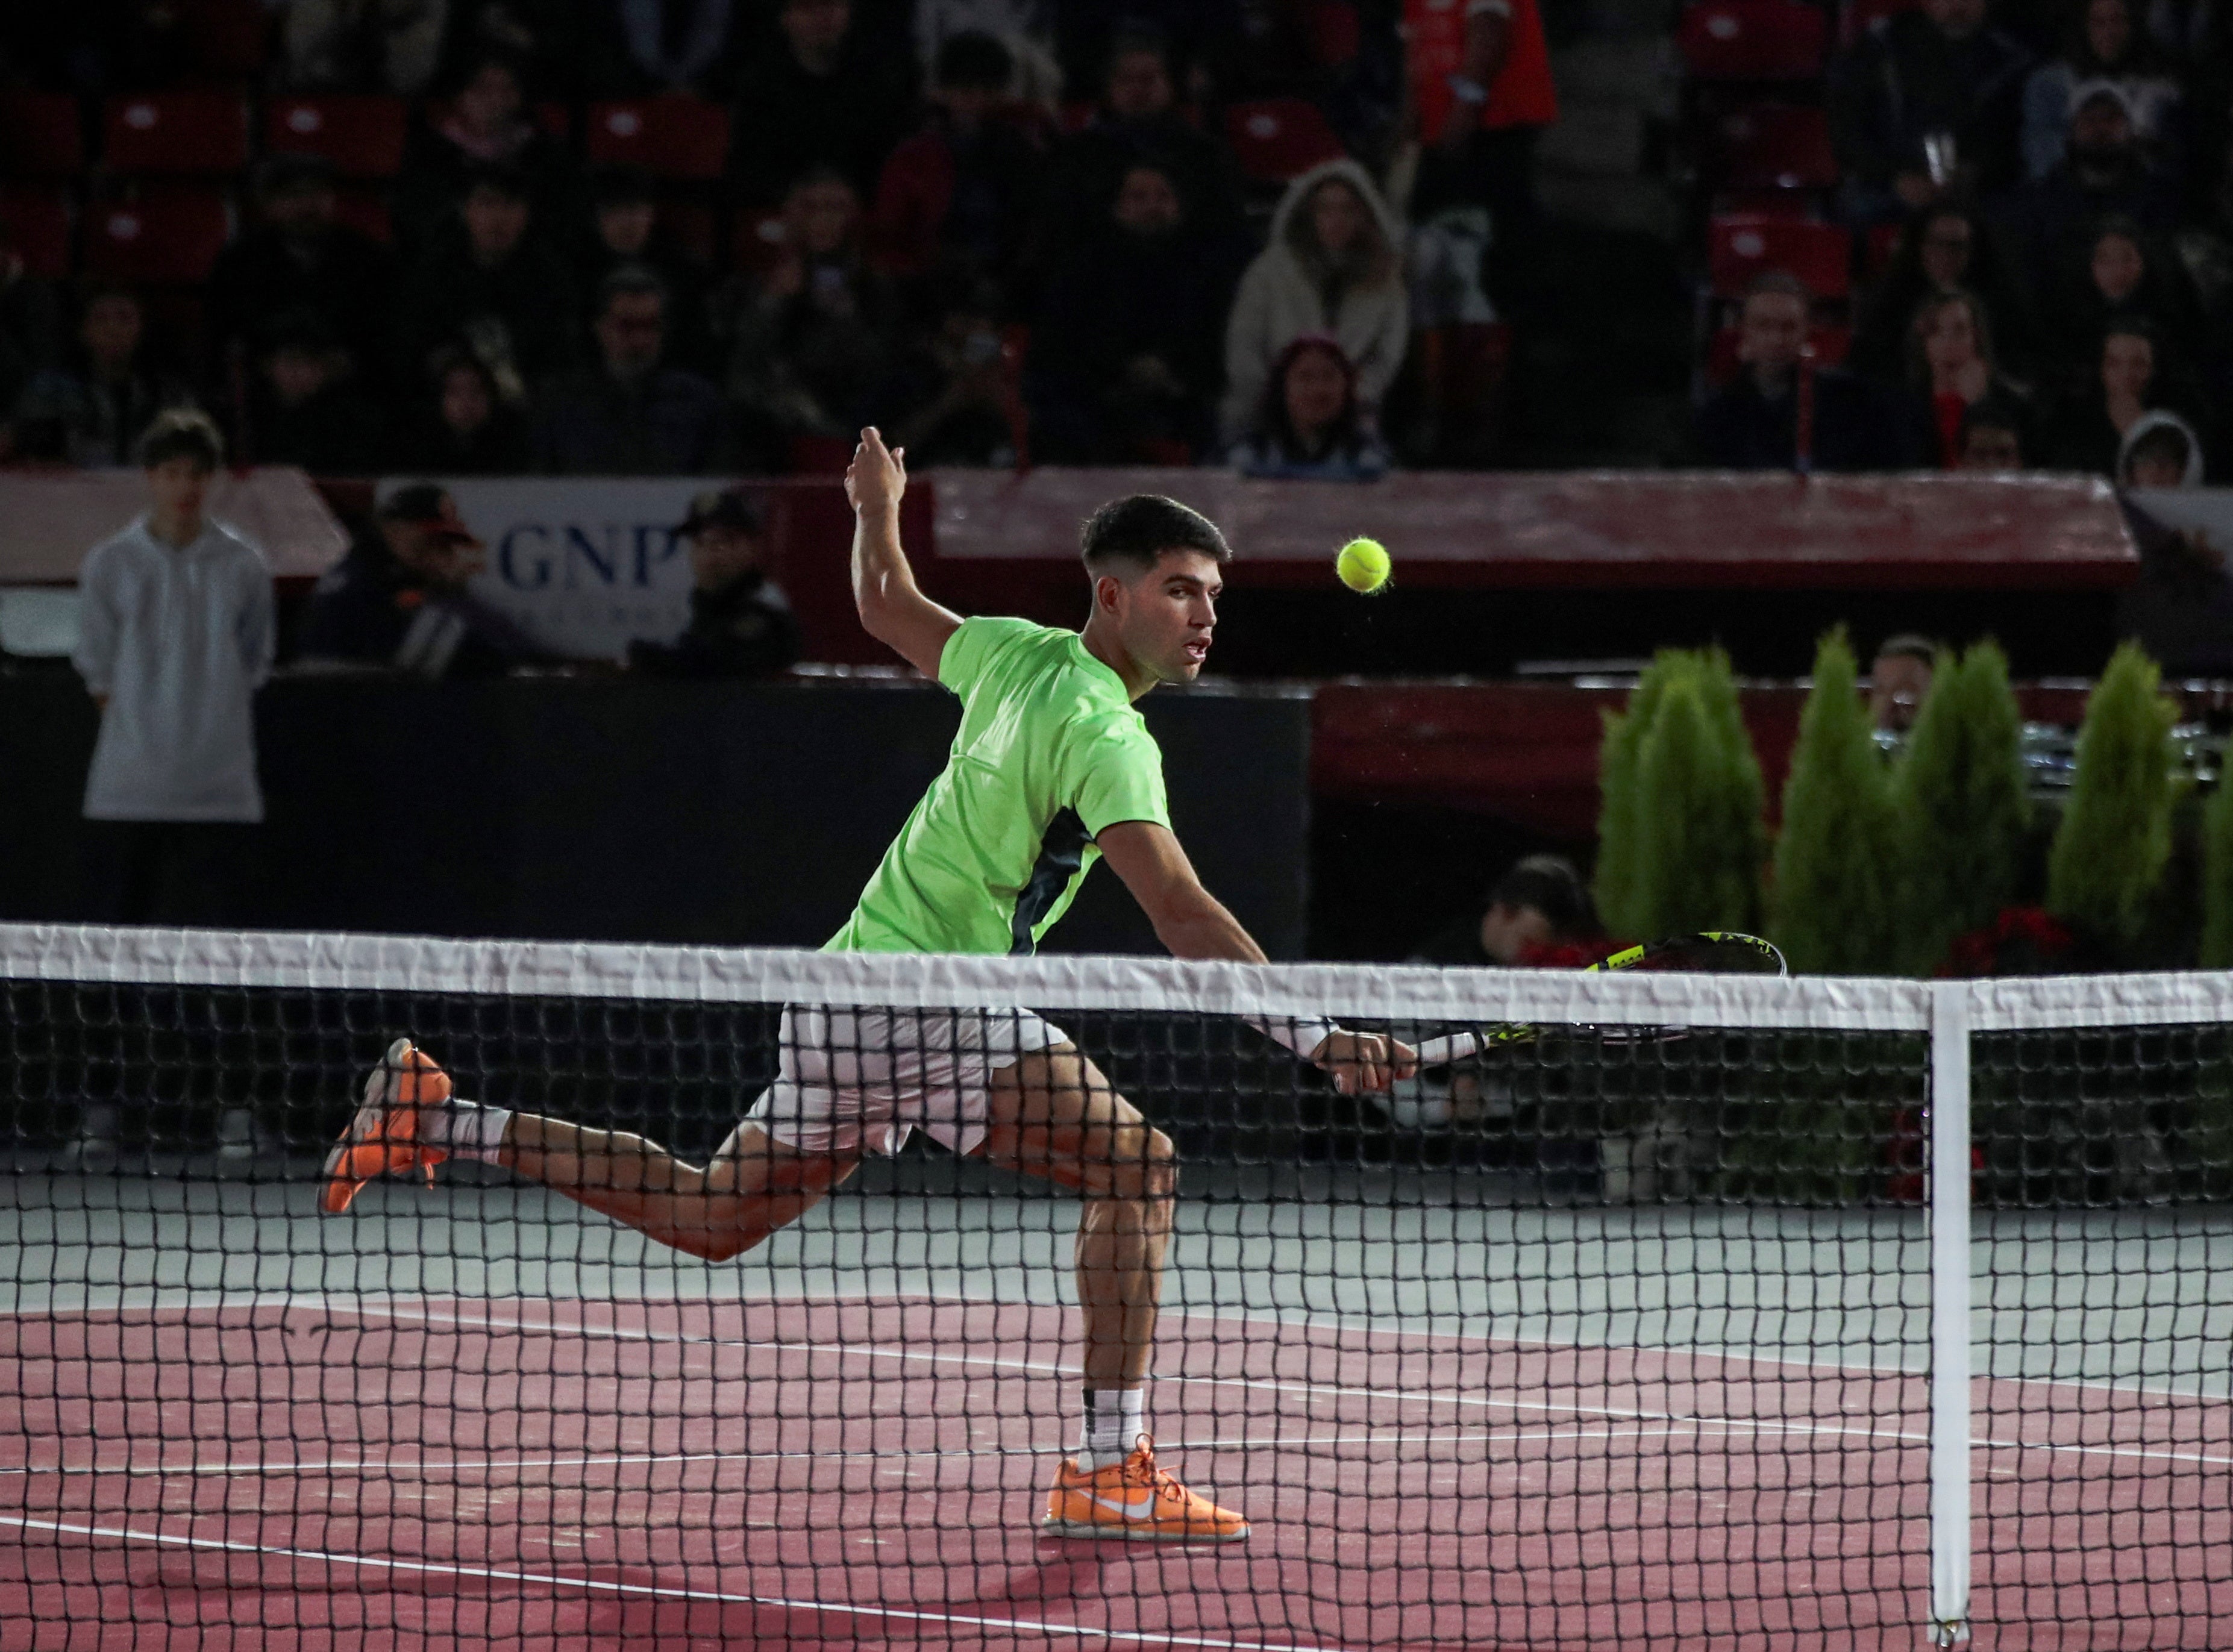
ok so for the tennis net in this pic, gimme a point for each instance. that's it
(1653, 1329)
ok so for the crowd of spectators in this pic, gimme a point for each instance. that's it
(1004, 229)
(2055, 201)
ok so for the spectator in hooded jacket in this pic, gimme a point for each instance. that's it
(1925, 104)
(1311, 425)
(2181, 607)
(1333, 266)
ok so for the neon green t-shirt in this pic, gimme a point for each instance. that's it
(1051, 752)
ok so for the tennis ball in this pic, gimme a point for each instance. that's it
(1363, 564)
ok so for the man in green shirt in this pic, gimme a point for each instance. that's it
(1052, 770)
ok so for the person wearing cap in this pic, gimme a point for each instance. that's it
(299, 257)
(740, 622)
(175, 637)
(2105, 42)
(400, 599)
(2106, 172)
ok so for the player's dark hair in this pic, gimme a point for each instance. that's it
(182, 432)
(1131, 533)
(1550, 885)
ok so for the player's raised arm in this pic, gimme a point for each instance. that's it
(893, 608)
(1194, 923)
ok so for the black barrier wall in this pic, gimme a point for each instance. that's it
(612, 808)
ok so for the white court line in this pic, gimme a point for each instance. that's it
(1051, 1629)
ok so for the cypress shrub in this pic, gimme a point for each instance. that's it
(1615, 883)
(1837, 860)
(1699, 845)
(2115, 838)
(1962, 814)
(2217, 876)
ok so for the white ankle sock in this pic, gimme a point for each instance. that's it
(466, 1129)
(1114, 1420)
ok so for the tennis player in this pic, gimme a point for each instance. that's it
(1052, 768)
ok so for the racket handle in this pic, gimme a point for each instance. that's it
(1440, 1052)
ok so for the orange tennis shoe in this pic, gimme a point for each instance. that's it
(382, 1139)
(1135, 1499)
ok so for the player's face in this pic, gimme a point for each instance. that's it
(1165, 617)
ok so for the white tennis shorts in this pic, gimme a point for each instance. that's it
(857, 1081)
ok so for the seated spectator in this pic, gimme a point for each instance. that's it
(489, 281)
(740, 622)
(624, 231)
(964, 188)
(2103, 45)
(301, 408)
(822, 97)
(1124, 361)
(1311, 424)
(1752, 424)
(1993, 434)
(1138, 120)
(2088, 430)
(1899, 680)
(677, 46)
(1941, 249)
(2104, 174)
(484, 127)
(372, 46)
(400, 599)
(30, 325)
(1538, 904)
(1925, 106)
(465, 427)
(809, 339)
(93, 409)
(954, 391)
(2181, 607)
(2127, 275)
(1951, 364)
(626, 414)
(299, 257)
(1333, 268)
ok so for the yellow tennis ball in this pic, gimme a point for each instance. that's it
(1363, 564)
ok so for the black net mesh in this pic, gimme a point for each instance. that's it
(1613, 1337)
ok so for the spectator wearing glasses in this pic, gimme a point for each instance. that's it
(1943, 250)
(626, 415)
(1311, 424)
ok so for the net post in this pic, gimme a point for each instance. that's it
(1949, 1312)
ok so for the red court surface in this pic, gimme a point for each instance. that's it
(866, 1472)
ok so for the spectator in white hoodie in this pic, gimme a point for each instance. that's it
(175, 638)
(1333, 267)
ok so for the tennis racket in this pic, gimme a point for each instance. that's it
(1713, 952)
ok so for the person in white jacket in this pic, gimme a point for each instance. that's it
(1333, 266)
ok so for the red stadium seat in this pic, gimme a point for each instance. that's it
(1276, 138)
(1831, 345)
(365, 210)
(1752, 40)
(1738, 249)
(36, 218)
(1857, 15)
(361, 136)
(176, 134)
(40, 135)
(1775, 146)
(168, 234)
(685, 138)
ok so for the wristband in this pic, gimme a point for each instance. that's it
(1300, 1034)
(1467, 91)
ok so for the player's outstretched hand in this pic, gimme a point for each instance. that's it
(877, 476)
(1364, 1061)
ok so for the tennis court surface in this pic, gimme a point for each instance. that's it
(1613, 1357)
